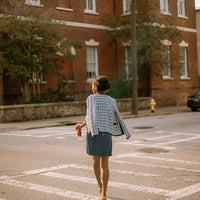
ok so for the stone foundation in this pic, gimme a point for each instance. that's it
(25, 112)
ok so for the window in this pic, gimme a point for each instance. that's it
(65, 6)
(92, 62)
(166, 61)
(90, 6)
(183, 62)
(164, 6)
(33, 2)
(181, 7)
(127, 7)
(128, 62)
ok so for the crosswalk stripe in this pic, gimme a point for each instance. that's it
(140, 155)
(183, 192)
(76, 166)
(119, 185)
(155, 166)
(178, 141)
(134, 143)
(48, 189)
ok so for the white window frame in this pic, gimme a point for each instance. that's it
(181, 8)
(183, 46)
(33, 3)
(166, 60)
(94, 46)
(127, 7)
(183, 63)
(164, 7)
(89, 10)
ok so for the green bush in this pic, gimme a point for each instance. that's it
(119, 89)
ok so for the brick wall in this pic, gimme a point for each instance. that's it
(165, 92)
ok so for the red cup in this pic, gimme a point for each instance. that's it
(79, 132)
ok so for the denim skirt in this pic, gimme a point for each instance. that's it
(99, 145)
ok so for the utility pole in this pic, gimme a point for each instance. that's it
(134, 59)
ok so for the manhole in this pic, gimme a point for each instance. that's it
(152, 150)
(143, 127)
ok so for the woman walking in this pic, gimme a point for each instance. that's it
(102, 121)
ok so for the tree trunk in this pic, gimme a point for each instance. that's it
(38, 85)
(26, 95)
(33, 82)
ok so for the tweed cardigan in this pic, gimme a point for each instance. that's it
(103, 116)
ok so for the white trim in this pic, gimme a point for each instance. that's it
(79, 24)
(90, 12)
(166, 42)
(92, 43)
(64, 9)
(186, 29)
(168, 78)
(183, 17)
(166, 13)
(101, 27)
(126, 44)
(185, 78)
(183, 44)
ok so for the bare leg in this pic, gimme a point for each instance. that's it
(105, 174)
(97, 172)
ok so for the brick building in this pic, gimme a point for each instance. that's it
(80, 21)
(198, 39)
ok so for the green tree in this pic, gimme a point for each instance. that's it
(30, 46)
(151, 31)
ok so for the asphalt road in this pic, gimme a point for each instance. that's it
(161, 161)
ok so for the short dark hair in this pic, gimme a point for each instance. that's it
(102, 83)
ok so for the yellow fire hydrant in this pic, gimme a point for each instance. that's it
(153, 103)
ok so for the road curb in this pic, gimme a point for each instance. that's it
(144, 115)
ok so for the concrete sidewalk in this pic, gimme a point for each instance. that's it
(5, 127)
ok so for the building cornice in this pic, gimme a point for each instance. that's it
(96, 26)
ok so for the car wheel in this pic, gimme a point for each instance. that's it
(194, 109)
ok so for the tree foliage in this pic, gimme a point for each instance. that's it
(151, 30)
(30, 45)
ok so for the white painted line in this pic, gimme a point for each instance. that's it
(76, 166)
(188, 134)
(159, 131)
(48, 189)
(172, 134)
(183, 192)
(178, 141)
(119, 185)
(147, 145)
(161, 137)
(140, 155)
(56, 134)
(155, 166)
(38, 171)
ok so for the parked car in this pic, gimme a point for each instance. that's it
(194, 101)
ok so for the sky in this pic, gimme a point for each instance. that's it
(197, 3)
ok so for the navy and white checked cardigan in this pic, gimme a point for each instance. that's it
(103, 115)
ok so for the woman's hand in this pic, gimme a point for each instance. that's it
(80, 125)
